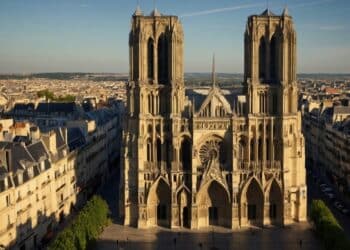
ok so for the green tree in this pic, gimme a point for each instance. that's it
(85, 228)
(327, 227)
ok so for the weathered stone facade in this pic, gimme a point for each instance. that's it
(228, 160)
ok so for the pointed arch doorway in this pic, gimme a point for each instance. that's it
(184, 208)
(213, 206)
(252, 203)
(159, 204)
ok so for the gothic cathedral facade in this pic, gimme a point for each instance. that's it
(194, 159)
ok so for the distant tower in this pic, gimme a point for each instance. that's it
(156, 96)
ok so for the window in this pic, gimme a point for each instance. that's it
(8, 201)
(262, 58)
(163, 67)
(150, 61)
(274, 58)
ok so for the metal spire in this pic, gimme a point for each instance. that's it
(213, 72)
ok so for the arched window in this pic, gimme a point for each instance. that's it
(150, 59)
(149, 150)
(260, 150)
(241, 155)
(159, 150)
(268, 149)
(163, 59)
(252, 150)
(262, 58)
(167, 151)
(185, 154)
(274, 58)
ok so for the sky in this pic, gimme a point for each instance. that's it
(92, 35)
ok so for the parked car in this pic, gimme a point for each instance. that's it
(326, 190)
(338, 205)
(345, 211)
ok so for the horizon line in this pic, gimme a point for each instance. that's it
(126, 73)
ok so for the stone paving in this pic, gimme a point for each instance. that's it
(288, 238)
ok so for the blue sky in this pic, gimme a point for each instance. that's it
(92, 35)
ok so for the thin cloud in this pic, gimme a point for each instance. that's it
(219, 10)
(332, 27)
(306, 4)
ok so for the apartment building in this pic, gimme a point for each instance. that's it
(45, 175)
(326, 126)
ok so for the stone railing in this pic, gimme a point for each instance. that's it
(258, 166)
(155, 167)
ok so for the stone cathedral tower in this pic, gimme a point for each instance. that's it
(194, 158)
(271, 89)
(156, 96)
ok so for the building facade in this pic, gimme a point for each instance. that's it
(45, 176)
(194, 159)
(326, 125)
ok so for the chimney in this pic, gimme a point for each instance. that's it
(65, 134)
(34, 133)
(50, 141)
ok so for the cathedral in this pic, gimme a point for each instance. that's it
(195, 159)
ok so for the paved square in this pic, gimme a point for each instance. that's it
(287, 238)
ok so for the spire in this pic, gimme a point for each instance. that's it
(138, 11)
(155, 11)
(267, 12)
(285, 11)
(213, 72)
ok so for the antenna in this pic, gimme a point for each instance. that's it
(154, 4)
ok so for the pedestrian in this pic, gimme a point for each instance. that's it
(300, 243)
(117, 244)
(200, 245)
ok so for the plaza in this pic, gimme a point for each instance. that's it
(287, 238)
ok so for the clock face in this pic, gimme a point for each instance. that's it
(211, 149)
